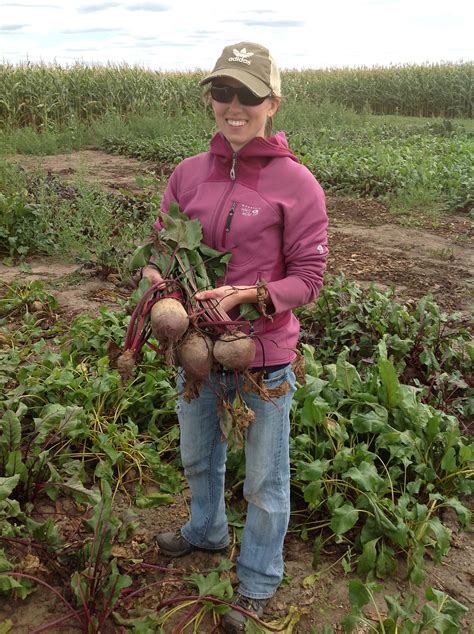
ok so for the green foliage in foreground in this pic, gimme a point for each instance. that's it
(65, 409)
(373, 461)
(369, 454)
(441, 613)
(373, 464)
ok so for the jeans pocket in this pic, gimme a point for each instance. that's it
(277, 376)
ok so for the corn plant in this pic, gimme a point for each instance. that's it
(45, 95)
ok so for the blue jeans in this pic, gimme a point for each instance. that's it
(267, 477)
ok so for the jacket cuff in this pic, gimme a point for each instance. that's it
(289, 293)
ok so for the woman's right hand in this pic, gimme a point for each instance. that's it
(152, 274)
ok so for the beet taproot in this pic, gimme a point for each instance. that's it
(126, 364)
(169, 320)
(195, 355)
(234, 350)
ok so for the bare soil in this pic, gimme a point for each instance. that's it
(111, 172)
(368, 243)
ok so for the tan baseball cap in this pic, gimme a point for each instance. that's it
(252, 65)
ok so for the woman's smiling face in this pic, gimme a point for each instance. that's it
(238, 123)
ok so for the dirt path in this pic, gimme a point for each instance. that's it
(76, 289)
(369, 244)
(111, 172)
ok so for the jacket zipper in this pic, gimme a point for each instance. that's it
(228, 221)
(234, 204)
(232, 167)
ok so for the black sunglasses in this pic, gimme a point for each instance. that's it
(225, 94)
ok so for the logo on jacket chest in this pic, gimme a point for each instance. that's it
(250, 210)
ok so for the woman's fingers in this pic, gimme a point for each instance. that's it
(227, 296)
(153, 275)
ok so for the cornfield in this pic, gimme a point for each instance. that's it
(440, 90)
(44, 95)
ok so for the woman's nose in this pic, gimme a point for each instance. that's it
(235, 101)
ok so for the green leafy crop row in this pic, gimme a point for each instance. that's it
(427, 347)
(369, 453)
(379, 161)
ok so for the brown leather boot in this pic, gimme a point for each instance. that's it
(235, 621)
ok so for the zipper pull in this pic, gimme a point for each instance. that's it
(232, 167)
(230, 215)
(228, 222)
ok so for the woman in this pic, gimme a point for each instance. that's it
(254, 199)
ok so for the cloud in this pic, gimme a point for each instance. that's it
(203, 25)
(30, 5)
(157, 44)
(141, 45)
(71, 49)
(12, 27)
(177, 44)
(197, 35)
(97, 29)
(442, 21)
(93, 8)
(147, 6)
(269, 23)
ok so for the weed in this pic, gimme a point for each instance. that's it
(441, 613)
(444, 253)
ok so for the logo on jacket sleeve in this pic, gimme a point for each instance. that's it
(241, 56)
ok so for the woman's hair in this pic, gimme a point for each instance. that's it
(269, 126)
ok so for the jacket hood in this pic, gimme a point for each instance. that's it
(258, 147)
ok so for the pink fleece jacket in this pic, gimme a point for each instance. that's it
(267, 209)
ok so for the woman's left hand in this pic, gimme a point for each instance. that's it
(229, 296)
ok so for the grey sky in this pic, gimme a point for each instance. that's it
(189, 35)
(12, 27)
(99, 6)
